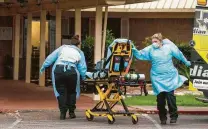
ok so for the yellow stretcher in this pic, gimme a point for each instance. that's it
(117, 76)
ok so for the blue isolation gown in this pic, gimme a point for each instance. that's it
(80, 67)
(164, 76)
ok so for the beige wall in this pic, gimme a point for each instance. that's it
(179, 30)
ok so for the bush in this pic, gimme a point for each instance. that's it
(88, 47)
(183, 69)
(109, 38)
(147, 41)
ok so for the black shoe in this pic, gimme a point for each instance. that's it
(173, 120)
(163, 122)
(63, 116)
(72, 115)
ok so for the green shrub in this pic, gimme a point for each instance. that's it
(88, 47)
(183, 69)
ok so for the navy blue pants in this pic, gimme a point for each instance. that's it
(161, 103)
(66, 87)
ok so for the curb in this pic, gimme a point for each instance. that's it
(131, 109)
(4, 111)
(139, 110)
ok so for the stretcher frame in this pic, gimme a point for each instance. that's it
(109, 89)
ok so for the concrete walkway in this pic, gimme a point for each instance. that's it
(18, 95)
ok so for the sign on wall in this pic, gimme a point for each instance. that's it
(201, 22)
(5, 33)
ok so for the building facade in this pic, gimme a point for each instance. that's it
(135, 21)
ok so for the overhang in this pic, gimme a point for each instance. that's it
(12, 7)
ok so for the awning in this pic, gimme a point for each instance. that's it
(11, 7)
(155, 6)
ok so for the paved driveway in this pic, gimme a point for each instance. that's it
(49, 119)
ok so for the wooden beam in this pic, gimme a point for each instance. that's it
(42, 45)
(16, 47)
(104, 31)
(91, 14)
(78, 21)
(63, 5)
(58, 28)
(151, 15)
(98, 34)
(49, 6)
(29, 48)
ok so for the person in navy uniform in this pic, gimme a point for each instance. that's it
(69, 65)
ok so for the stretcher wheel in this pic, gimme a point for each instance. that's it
(111, 119)
(89, 117)
(134, 119)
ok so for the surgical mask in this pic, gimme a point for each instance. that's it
(155, 45)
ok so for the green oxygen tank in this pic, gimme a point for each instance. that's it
(134, 77)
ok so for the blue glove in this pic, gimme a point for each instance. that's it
(133, 45)
(41, 70)
(188, 63)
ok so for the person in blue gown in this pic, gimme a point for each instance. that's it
(164, 76)
(69, 64)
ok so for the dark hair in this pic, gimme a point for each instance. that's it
(75, 37)
(75, 40)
